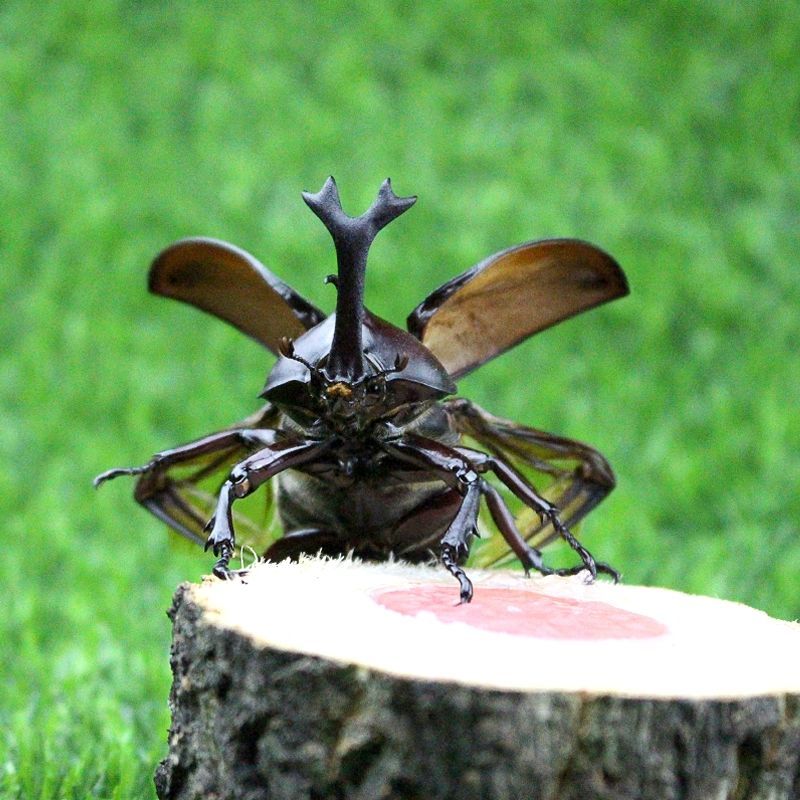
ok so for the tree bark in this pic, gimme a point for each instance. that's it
(311, 680)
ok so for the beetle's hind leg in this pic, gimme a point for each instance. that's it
(529, 556)
(588, 560)
(208, 445)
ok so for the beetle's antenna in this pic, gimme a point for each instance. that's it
(286, 349)
(400, 363)
(352, 237)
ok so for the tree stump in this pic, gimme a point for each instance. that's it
(337, 679)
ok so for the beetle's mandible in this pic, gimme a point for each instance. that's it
(361, 447)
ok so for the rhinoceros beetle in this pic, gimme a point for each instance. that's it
(367, 455)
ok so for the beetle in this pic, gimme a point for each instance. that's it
(360, 440)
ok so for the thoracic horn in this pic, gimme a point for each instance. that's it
(352, 237)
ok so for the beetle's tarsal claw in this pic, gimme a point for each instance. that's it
(331, 279)
(224, 550)
(110, 474)
(225, 574)
(449, 556)
(607, 569)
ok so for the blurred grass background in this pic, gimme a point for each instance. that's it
(666, 132)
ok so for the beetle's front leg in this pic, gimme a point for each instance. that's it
(244, 479)
(457, 471)
(454, 546)
(221, 538)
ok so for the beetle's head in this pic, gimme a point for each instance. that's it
(354, 369)
(401, 378)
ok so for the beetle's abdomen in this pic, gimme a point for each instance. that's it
(372, 518)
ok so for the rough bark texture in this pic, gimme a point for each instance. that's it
(255, 722)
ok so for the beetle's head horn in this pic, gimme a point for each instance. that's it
(352, 237)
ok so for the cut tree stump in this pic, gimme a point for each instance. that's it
(337, 679)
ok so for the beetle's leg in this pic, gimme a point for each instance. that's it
(457, 471)
(430, 517)
(455, 542)
(159, 491)
(208, 444)
(546, 510)
(244, 479)
(529, 557)
(306, 540)
(220, 568)
(580, 476)
(449, 561)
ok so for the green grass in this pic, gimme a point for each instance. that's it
(664, 132)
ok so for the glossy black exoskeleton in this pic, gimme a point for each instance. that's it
(368, 455)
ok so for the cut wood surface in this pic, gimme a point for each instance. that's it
(341, 679)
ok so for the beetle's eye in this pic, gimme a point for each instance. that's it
(375, 387)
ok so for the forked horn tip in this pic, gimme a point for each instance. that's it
(388, 205)
(326, 200)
